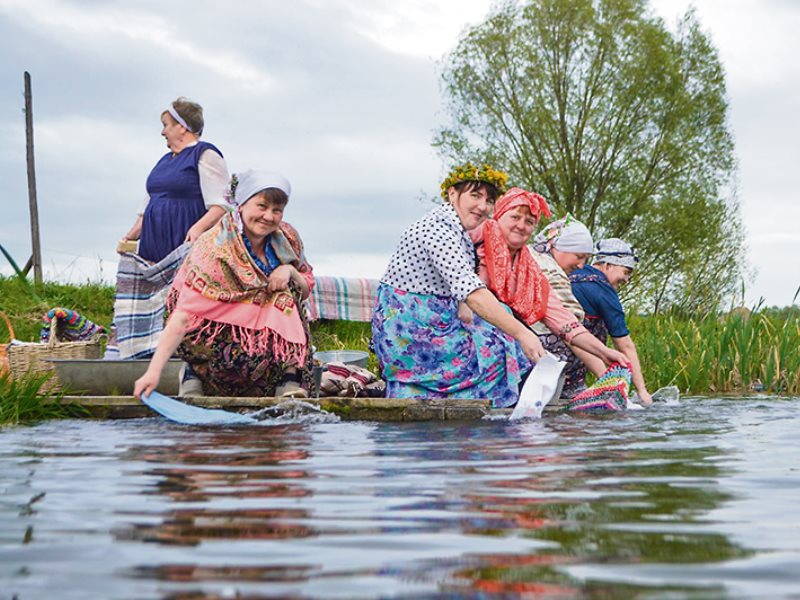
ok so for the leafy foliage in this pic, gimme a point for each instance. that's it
(616, 120)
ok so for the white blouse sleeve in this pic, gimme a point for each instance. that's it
(213, 178)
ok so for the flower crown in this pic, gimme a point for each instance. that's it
(469, 172)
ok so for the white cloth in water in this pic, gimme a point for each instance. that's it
(539, 389)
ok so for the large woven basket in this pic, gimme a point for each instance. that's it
(34, 358)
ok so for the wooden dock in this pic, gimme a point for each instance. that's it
(349, 409)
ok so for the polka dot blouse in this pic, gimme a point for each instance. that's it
(435, 256)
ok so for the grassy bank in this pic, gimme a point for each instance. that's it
(729, 353)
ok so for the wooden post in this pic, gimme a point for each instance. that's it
(34, 209)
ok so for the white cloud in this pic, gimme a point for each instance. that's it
(416, 27)
(100, 27)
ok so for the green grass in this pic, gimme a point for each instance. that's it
(25, 304)
(22, 400)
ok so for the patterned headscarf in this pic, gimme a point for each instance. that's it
(614, 251)
(567, 235)
(518, 197)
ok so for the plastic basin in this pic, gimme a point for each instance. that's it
(111, 377)
(357, 358)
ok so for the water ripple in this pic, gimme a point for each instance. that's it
(693, 500)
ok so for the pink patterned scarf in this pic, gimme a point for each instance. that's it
(220, 286)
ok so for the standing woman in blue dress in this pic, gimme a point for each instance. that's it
(424, 348)
(185, 190)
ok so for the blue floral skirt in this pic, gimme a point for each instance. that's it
(425, 351)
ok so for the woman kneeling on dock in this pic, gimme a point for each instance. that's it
(424, 349)
(235, 305)
(512, 274)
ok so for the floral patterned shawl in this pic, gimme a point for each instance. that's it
(220, 286)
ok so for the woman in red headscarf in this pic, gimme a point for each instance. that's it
(511, 273)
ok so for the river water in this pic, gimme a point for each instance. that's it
(692, 501)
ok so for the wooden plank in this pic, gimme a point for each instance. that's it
(348, 409)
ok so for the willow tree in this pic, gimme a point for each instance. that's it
(615, 119)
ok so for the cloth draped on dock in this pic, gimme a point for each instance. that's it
(347, 299)
(139, 303)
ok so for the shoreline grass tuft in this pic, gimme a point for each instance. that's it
(22, 400)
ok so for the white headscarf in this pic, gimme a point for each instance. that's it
(251, 182)
(566, 235)
(614, 251)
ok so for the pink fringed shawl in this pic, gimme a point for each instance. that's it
(220, 286)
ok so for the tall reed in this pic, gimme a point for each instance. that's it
(736, 352)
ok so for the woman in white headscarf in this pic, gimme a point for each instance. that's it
(560, 248)
(235, 305)
(596, 287)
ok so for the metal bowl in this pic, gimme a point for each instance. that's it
(357, 358)
(111, 377)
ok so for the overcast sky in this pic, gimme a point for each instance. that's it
(340, 95)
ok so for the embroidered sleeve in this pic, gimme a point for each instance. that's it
(560, 320)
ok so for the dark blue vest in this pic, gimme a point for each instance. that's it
(176, 202)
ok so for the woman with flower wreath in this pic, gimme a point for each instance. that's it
(236, 304)
(424, 349)
(512, 274)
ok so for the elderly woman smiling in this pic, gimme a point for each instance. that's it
(235, 305)
(423, 348)
(510, 272)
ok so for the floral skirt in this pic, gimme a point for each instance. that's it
(425, 351)
(225, 369)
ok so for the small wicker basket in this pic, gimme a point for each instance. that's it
(3, 351)
(34, 358)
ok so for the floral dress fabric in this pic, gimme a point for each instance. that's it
(226, 369)
(425, 351)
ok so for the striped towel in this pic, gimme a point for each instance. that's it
(608, 393)
(141, 294)
(343, 298)
(71, 326)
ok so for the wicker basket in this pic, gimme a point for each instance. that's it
(3, 351)
(33, 358)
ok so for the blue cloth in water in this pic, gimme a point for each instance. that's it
(187, 414)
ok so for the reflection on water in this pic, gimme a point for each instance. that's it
(695, 500)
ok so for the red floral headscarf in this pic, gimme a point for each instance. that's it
(518, 197)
